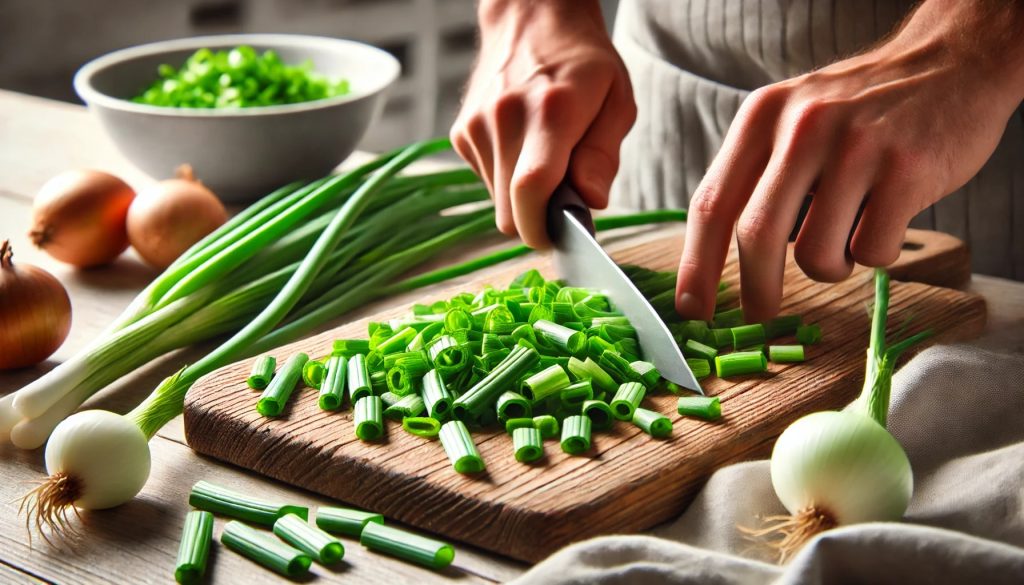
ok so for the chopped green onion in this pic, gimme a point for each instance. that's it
(459, 447)
(322, 547)
(513, 405)
(389, 398)
(262, 372)
(696, 349)
(397, 342)
(600, 414)
(701, 368)
(313, 373)
(225, 502)
(786, 353)
(745, 336)
(359, 384)
(347, 521)
(617, 366)
(407, 546)
(547, 382)
(347, 348)
(653, 423)
(808, 334)
(547, 425)
(576, 434)
(421, 426)
(589, 370)
(194, 549)
(740, 363)
(332, 389)
(518, 423)
(573, 396)
(568, 340)
(627, 398)
(409, 405)
(782, 326)
(527, 444)
(647, 374)
(705, 407)
(276, 394)
(265, 549)
(436, 397)
(720, 338)
(447, 355)
(483, 394)
(368, 418)
(696, 330)
(728, 319)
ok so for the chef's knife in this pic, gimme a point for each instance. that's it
(581, 261)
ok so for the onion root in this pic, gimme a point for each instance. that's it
(786, 534)
(48, 504)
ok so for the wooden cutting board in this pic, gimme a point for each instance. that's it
(628, 481)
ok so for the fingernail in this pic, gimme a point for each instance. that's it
(689, 306)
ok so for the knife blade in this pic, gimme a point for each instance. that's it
(581, 261)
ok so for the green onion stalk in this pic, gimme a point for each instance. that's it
(265, 278)
(835, 468)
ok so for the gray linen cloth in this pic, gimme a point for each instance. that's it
(959, 413)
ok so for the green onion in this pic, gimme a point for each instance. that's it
(368, 418)
(194, 549)
(409, 405)
(262, 372)
(527, 444)
(573, 396)
(600, 414)
(388, 398)
(576, 434)
(322, 547)
(547, 382)
(332, 389)
(547, 425)
(808, 334)
(646, 373)
(728, 319)
(740, 363)
(407, 546)
(589, 370)
(513, 405)
(782, 326)
(358, 378)
(347, 521)
(447, 355)
(349, 347)
(720, 338)
(421, 426)
(225, 502)
(653, 423)
(705, 407)
(627, 398)
(701, 368)
(616, 366)
(568, 340)
(696, 349)
(745, 336)
(483, 394)
(518, 423)
(436, 398)
(265, 549)
(786, 353)
(459, 447)
(313, 373)
(276, 395)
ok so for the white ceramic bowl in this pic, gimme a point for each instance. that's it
(244, 153)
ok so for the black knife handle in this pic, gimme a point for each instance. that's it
(565, 198)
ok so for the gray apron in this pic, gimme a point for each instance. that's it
(693, 61)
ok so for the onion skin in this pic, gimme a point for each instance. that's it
(79, 217)
(35, 313)
(169, 217)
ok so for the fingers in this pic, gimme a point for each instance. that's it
(595, 159)
(821, 249)
(892, 203)
(555, 125)
(717, 203)
(505, 126)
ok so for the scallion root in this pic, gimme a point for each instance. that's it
(47, 506)
(787, 534)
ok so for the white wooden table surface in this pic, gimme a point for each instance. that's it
(137, 543)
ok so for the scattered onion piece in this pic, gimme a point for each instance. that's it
(167, 218)
(78, 217)
(35, 313)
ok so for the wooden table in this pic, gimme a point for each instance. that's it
(136, 543)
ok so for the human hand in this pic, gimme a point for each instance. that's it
(548, 97)
(892, 130)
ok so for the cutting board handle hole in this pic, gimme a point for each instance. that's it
(912, 246)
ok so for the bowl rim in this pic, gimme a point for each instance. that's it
(90, 95)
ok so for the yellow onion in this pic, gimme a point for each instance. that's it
(79, 217)
(167, 218)
(35, 313)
